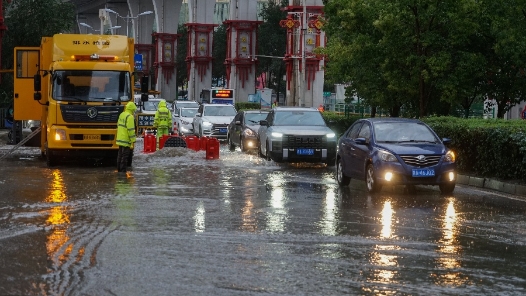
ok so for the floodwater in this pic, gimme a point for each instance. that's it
(179, 224)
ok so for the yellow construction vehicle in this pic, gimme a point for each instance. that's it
(76, 85)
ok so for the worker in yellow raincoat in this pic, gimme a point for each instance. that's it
(126, 137)
(162, 121)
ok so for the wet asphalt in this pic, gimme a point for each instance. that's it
(180, 224)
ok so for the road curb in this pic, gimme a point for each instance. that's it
(492, 184)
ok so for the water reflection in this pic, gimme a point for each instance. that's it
(329, 221)
(380, 256)
(199, 218)
(387, 220)
(449, 249)
(58, 219)
(277, 216)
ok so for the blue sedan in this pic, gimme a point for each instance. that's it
(395, 151)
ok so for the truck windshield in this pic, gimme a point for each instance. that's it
(91, 86)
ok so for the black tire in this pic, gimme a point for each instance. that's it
(241, 145)
(330, 162)
(447, 188)
(267, 154)
(259, 150)
(231, 145)
(370, 180)
(342, 179)
(51, 159)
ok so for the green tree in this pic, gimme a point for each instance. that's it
(272, 43)
(219, 53)
(426, 56)
(182, 66)
(27, 22)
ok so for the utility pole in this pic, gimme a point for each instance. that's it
(303, 63)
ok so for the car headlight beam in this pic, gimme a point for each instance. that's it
(450, 156)
(276, 135)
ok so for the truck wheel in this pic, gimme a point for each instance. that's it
(51, 159)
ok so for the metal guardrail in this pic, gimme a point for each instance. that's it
(29, 137)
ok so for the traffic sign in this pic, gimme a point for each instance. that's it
(138, 62)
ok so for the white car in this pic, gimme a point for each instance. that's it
(183, 120)
(212, 120)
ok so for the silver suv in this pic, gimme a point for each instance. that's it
(296, 134)
(212, 120)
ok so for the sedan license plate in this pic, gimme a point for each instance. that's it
(222, 130)
(423, 173)
(303, 151)
(92, 137)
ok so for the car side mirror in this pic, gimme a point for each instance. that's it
(446, 141)
(360, 141)
(263, 122)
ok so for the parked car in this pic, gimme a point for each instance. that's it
(178, 104)
(183, 120)
(243, 130)
(296, 134)
(212, 120)
(395, 151)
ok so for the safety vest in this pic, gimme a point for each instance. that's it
(126, 129)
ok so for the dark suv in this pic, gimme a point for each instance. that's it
(296, 134)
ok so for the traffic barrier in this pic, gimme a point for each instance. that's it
(149, 143)
(212, 148)
(202, 143)
(192, 142)
(162, 140)
(175, 141)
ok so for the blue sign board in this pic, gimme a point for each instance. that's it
(138, 62)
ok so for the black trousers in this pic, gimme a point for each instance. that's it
(124, 158)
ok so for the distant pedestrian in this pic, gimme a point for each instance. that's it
(126, 137)
(162, 121)
(275, 104)
(321, 108)
(523, 113)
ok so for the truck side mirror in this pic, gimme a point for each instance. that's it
(144, 84)
(37, 82)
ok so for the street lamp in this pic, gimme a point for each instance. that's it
(128, 18)
(90, 27)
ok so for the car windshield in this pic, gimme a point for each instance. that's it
(254, 118)
(299, 118)
(188, 112)
(150, 105)
(395, 132)
(91, 86)
(186, 105)
(220, 111)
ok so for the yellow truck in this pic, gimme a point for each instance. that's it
(76, 85)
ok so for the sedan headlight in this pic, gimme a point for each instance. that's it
(206, 123)
(331, 136)
(386, 156)
(249, 133)
(450, 156)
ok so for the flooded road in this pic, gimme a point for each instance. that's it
(179, 224)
